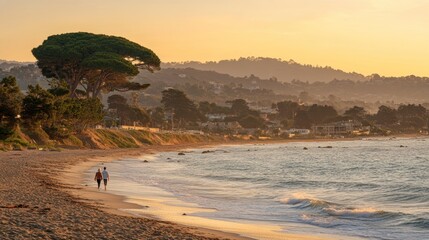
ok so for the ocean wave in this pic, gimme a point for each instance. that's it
(419, 223)
(356, 212)
(305, 201)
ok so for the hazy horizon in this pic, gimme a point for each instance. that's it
(365, 36)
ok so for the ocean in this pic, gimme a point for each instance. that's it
(364, 189)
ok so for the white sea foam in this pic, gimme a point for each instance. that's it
(308, 201)
(370, 187)
(305, 200)
(365, 212)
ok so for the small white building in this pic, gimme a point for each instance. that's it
(298, 131)
(212, 117)
(341, 128)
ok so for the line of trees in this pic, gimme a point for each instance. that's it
(184, 112)
(50, 110)
(407, 117)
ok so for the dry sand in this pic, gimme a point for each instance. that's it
(41, 197)
(34, 205)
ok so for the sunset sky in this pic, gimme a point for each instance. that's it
(390, 37)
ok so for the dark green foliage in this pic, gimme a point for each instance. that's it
(251, 121)
(321, 113)
(355, 112)
(125, 86)
(411, 110)
(212, 108)
(94, 61)
(58, 88)
(302, 120)
(287, 109)
(57, 132)
(50, 110)
(414, 122)
(73, 115)
(239, 107)
(10, 99)
(5, 131)
(386, 115)
(116, 100)
(83, 113)
(10, 106)
(179, 105)
(37, 106)
(127, 114)
(413, 116)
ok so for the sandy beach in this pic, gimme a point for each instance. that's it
(42, 197)
(36, 202)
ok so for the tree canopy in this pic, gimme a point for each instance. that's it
(321, 113)
(251, 121)
(287, 109)
(95, 62)
(127, 114)
(386, 115)
(239, 107)
(176, 102)
(10, 99)
(212, 108)
(355, 112)
(10, 105)
(37, 106)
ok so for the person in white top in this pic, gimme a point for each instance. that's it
(106, 177)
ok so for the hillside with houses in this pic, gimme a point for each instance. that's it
(207, 102)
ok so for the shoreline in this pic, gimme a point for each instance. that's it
(154, 207)
(112, 203)
(36, 201)
(53, 193)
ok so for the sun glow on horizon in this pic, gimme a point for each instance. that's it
(365, 36)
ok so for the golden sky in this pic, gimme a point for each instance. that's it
(390, 37)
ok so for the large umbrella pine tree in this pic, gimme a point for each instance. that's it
(94, 62)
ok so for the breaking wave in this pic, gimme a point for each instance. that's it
(306, 201)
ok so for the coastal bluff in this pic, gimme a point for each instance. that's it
(101, 139)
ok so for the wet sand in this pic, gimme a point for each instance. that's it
(36, 202)
(43, 196)
(156, 206)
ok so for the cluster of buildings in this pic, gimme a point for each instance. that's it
(351, 127)
(220, 123)
(227, 124)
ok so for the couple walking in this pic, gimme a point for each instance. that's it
(102, 176)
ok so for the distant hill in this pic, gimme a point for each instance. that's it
(266, 68)
(7, 65)
(26, 73)
(204, 85)
(213, 86)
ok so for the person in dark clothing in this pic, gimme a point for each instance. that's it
(98, 177)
